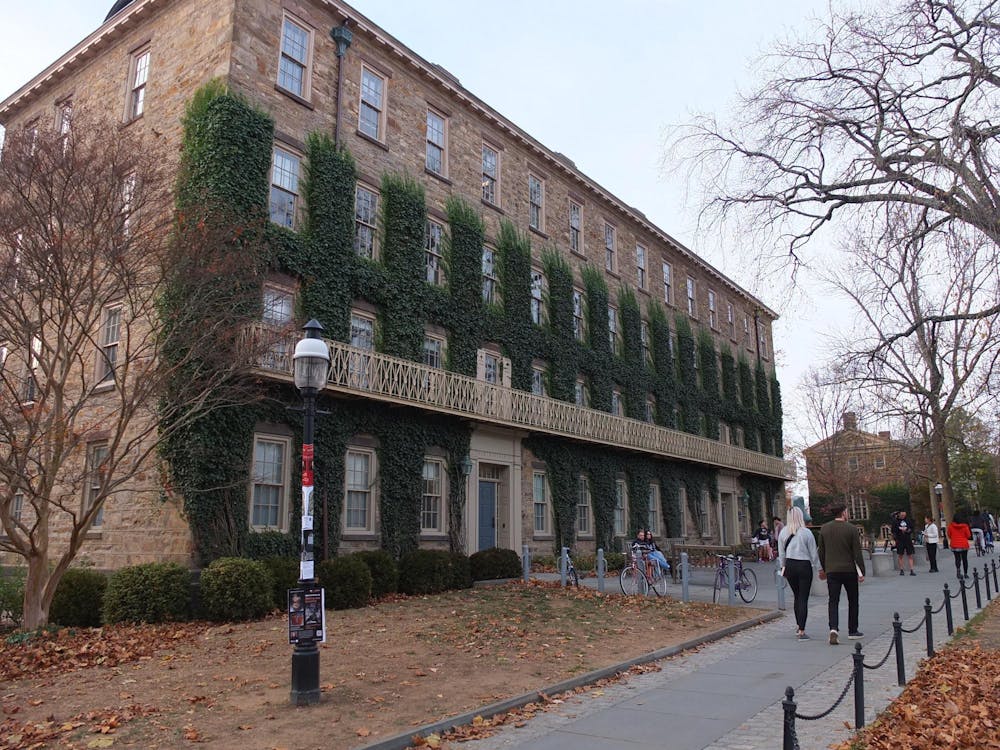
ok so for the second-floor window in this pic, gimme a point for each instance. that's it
(538, 381)
(640, 265)
(436, 155)
(362, 331)
(277, 306)
(491, 368)
(650, 412)
(613, 329)
(692, 306)
(713, 319)
(358, 503)
(432, 503)
(372, 107)
(110, 341)
(64, 122)
(731, 320)
(365, 222)
(653, 524)
(610, 248)
(581, 395)
(293, 67)
(647, 356)
(491, 175)
(575, 223)
(853, 464)
(878, 462)
(433, 252)
(284, 187)
(433, 352)
(621, 507)
(668, 284)
(97, 456)
(540, 502)
(763, 342)
(537, 297)
(616, 403)
(536, 203)
(268, 496)
(583, 506)
(490, 280)
(578, 327)
(137, 89)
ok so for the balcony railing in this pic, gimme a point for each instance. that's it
(378, 376)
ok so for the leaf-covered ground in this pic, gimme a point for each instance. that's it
(385, 669)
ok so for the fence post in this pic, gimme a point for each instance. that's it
(779, 583)
(685, 577)
(986, 577)
(859, 687)
(526, 562)
(563, 566)
(965, 601)
(996, 585)
(947, 611)
(731, 571)
(602, 569)
(928, 614)
(897, 635)
(788, 738)
(975, 585)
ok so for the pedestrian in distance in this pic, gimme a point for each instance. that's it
(959, 535)
(842, 566)
(931, 542)
(776, 527)
(762, 538)
(798, 557)
(902, 535)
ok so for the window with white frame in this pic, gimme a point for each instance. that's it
(640, 265)
(490, 278)
(853, 464)
(713, 318)
(434, 252)
(491, 175)
(575, 225)
(647, 355)
(285, 170)
(616, 402)
(578, 319)
(111, 334)
(650, 412)
(621, 508)
(371, 111)
(128, 202)
(436, 160)
(540, 502)
(731, 320)
(858, 507)
(359, 472)
(610, 248)
(692, 306)
(763, 342)
(432, 504)
(365, 222)
(269, 491)
(277, 306)
(362, 330)
(536, 203)
(668, 283)
(613, 328)
(293, 65)
(653, 521)
(746, 331)
(138, 75)
(878, 462)
(97, 456)
(434, 351)
(491, 368)
(64, 122)
(581, 394)
(18, 508)
(537, 296)
(583, 506)
(538, 381)
(703, 514)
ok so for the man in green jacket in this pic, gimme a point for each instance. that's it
(841, 564)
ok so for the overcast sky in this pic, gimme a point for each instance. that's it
(600, 83)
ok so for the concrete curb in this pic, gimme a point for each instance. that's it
(404, 740)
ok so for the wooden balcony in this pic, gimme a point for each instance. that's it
(368, 374)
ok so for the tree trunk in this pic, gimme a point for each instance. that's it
(939, 459)
(36, 602)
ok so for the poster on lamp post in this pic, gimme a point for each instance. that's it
(306, 615)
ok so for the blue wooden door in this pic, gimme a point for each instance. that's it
(487, 515)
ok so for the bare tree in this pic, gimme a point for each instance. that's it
(88, 248)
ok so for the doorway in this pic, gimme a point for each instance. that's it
(487, 536)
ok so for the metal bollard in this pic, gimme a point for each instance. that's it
(779, 584)
(602, 569)
(897, 635)
(928, 614)
(947, 611)
(526, 562)
(859, 687)
(996, 585)
(685, 578)
(563, 566)
(788, 739)
(986, 577)
(731, 570)
(975, 584)
(965, 602)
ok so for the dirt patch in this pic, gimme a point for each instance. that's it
(385, 669)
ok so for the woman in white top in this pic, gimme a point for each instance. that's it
(931, 542)
(797, 554)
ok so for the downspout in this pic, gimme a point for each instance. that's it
(342, 36)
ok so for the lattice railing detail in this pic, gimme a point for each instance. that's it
(378, 376)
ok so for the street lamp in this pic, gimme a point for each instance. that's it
(311, 363)
(938, 489)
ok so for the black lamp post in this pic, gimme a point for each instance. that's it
(311, 364)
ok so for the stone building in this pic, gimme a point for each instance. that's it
(670, 417)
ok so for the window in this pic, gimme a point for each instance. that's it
(491, 175)
(284, 187)
(110, 340)
(610, 248)
(434, 252)
(64, 122)
(365, 222)
(858, 508)
(434, 352)
(97, 456)
(692, 305)
(853, 464)
(18, 509)
(575, 222)
(491, 368)
(640, 265)
(32, 130)
(128, 201)
(685, 512)
(31, 379)
(139, 71)
(653, 522)
(731, 320)
(746, 330)
(879, 462)
(578, 326)
(537, 292)
(703, 514)
(277, 306)
(540, 502)
(372, 107)
(647, 355)
(650, 413)
(613, 329)
(358, 505)
(713, 319)
(536, 203)
(270, 482)
(362, 331)
(668, 284)
(763, 342)
(621, 508)
(293, 65)
(490, 280)
(583, 506)
(436, 159)
(538, 381)
(432, 505)
(616, 402)
(581, 396)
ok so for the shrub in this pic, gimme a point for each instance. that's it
(153, 592)
(347, 580)
(261, 545)
(385, 572)
(79, 598)
(12, 596)
(490, 564)
(615, 560)
(234, 588)
(285, 574)
(544, 563)
(461, 571)
(425, 571)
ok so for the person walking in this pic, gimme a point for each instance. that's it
(842, 566)
(902, 534)
(959, 535)
(762, 538)
(931, 542)
(797, 555)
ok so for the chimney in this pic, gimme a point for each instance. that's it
(885, 435)
(850, 420)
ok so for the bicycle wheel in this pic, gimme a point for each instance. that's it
(632, 581)
(748, 585)
(571, 577)
(659, 582)
(721, 584)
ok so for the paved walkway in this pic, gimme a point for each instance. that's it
(727, 695)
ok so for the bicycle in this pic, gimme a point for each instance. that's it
(571, 576)
(746, 579)
(642, 574)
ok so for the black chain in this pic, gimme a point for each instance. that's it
(884, 658)
(915, 627)
(831, 708)
(934, 612)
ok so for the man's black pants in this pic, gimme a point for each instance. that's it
(849, 581)
(932, 556)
